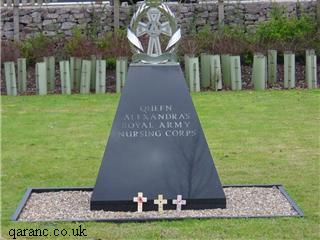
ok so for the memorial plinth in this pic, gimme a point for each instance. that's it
(156, 146)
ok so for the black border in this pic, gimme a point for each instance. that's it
(29, 191)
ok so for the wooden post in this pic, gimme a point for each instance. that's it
(10, 76)
(235, 65)
(226, 74)
(195, 69)
(215, 72)
(78, 67)
(194, 75)
(116, 15)
(101, 76)
(65, 77)
(186, 69)
(311, 69)
(22, 75)
(318, 14)
(72, 72)
(124, 70)
(41, 78)
(221, 12)
(51, 72)
(16, 29)
(259, 72)
(85, 76)
(289, 70)
(75, 73)
(205, 70)
(121, 73)
(118, 76)
(272, 66)
(93, 72)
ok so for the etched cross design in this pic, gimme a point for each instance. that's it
(179, 202)
(160, 202)
(140, 200)
(154, 29)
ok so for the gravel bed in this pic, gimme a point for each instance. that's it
(75, 205)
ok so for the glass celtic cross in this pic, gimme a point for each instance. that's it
(154, 29)
(155, 20)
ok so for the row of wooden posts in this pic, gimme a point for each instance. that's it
(76, 74)
(217, 71)
(85, 75)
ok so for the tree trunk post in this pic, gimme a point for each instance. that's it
(116, 14)
(16, 29)
(221, 12)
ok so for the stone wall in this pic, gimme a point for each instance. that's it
(52, 20)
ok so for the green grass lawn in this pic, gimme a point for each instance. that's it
(255, 138)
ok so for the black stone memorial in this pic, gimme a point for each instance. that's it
(156, 146)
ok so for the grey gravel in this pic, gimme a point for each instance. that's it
(75, 205)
